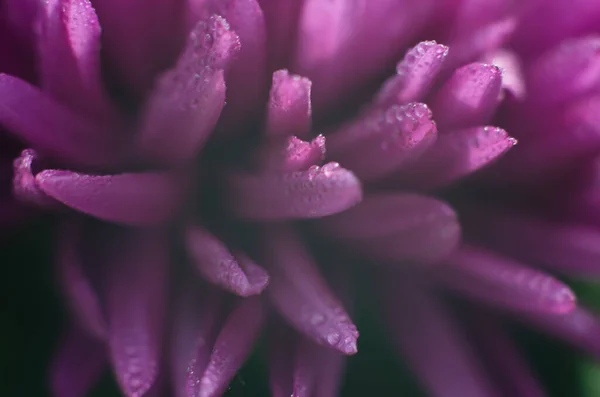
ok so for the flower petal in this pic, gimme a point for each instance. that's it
(315, 193)
(415, 75)
(81, 293)
(25, 187)
(78, 365)
(301, 295)
(455, 155)
(232, 347)
(134, 199)
(485, 277)
(135, 297)
(431, 341)
(292, 155)
(187, 101)
(289, 108)
(235, 273)
(469, 97)
(69, 47)
(379, 143)
(397, 227)
(281, 19)
(54, 130)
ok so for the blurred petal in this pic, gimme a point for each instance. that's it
(315, 193)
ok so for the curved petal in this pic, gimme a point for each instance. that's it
(25, 187)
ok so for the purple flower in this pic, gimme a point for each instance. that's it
(193, 149)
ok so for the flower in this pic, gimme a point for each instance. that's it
(129, 138)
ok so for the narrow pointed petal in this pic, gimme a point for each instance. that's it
(77, 286)
(197, 315)
(415, 75)
(69, 47)
(571, 69)
(506, 363)
(135, 305)
(483, 276)
(289, 108)
(139, 48)
(133, 199)
(431, 341)
(25, 187)
(315, 193)
(187, 101)
(78, 365)
(55, 130)
(235, 273)
(292, 155)
(232, 347)
(579, 327)
(455, 155)
(468, 98)
(397, 227)
(564, 248)
(383, 141)
(301, 295)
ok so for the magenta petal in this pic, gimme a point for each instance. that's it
(485, 277)
(415, 74)
(232, 347)
(281, 19)
(25, 187)
(302, 296)
(69, 45)
(317, 371)
(135, 298)
(81, 294)
(289, 108)
(382, 141)
(235, 273)
(54, 130)
(315, 193)
(571, 69)
(431, 341)
(134, 199)
(78, 364)
(397, 227)
(565, 248)
(281, 348)
(455, 155)
(292, 155)
(187, 101)
(469, 97)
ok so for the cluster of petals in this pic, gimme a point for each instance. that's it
(224, 167)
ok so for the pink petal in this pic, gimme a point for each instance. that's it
(69, 47)
(54, 130)
(135, 298)
(78, 365)
(292, 155)
(289, 108)
(415, 74)
(571, 69)
(235, 273)
(187, 100)
(565, 248)
(315, 193)
(431, 342)
(134, 199)
(281, 19)
(80, 292)
(232, 347)
(483, 276)
(301, 295)
(244, 94)
(455, 155)
(137, 49)
(513, 78)
(25, 187)
(468, 98)
(382, 141)
(198, 311)
(397, 227)
(338, 41)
